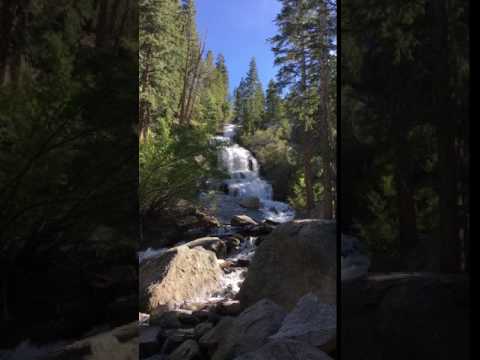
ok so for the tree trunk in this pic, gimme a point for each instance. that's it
(309, 195)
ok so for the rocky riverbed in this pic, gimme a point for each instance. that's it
(242, 295)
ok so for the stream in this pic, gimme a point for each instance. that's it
(223, 201)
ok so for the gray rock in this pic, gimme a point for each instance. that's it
(242, 220)
(214, 244)
(286, 350)
(250, 330)
(311, 322)
(297, 258)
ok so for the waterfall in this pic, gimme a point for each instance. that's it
(244, 179)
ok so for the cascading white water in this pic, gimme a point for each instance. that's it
(245, 180)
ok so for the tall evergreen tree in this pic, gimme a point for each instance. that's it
(302, 49)
(274, 112)
(250, 100)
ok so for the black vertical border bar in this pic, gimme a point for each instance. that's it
(338, 185)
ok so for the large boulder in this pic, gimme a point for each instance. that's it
(311, 322)
(211, 243)
(178, 275)
(286, 350)
(297, 258)
(249, 331)
(406, 316)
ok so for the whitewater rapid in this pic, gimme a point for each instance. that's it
(245, 181)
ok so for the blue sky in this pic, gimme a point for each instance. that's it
(239, 29)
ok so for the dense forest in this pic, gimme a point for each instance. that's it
(68, 220)
(185, 99)
(404, 121)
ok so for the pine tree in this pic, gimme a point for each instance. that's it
(274, 113)
(224, 81)
(302, 50)
(250, 100)
(159, 61)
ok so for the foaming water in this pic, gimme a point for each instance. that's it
(245, 181)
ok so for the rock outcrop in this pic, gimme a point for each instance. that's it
(247, 332)
(310, 322)
(297, 258)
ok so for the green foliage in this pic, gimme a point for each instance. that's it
(183, 102)
(381, 231)
(304, 53)
(67, 91)
(173, 165)
(271, 148)
(403, 67)
(250, 101)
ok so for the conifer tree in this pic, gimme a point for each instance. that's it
(250, 100)
(274, 112)
(302, 50)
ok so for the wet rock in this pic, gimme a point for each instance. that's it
(210, 243)
(311, 322)
(189, 350)
(176, 276)
(250, 330)
(285, 350)
(250, 202)
(233, 243)
(242, 220)
(225, 264)
(297, 258)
